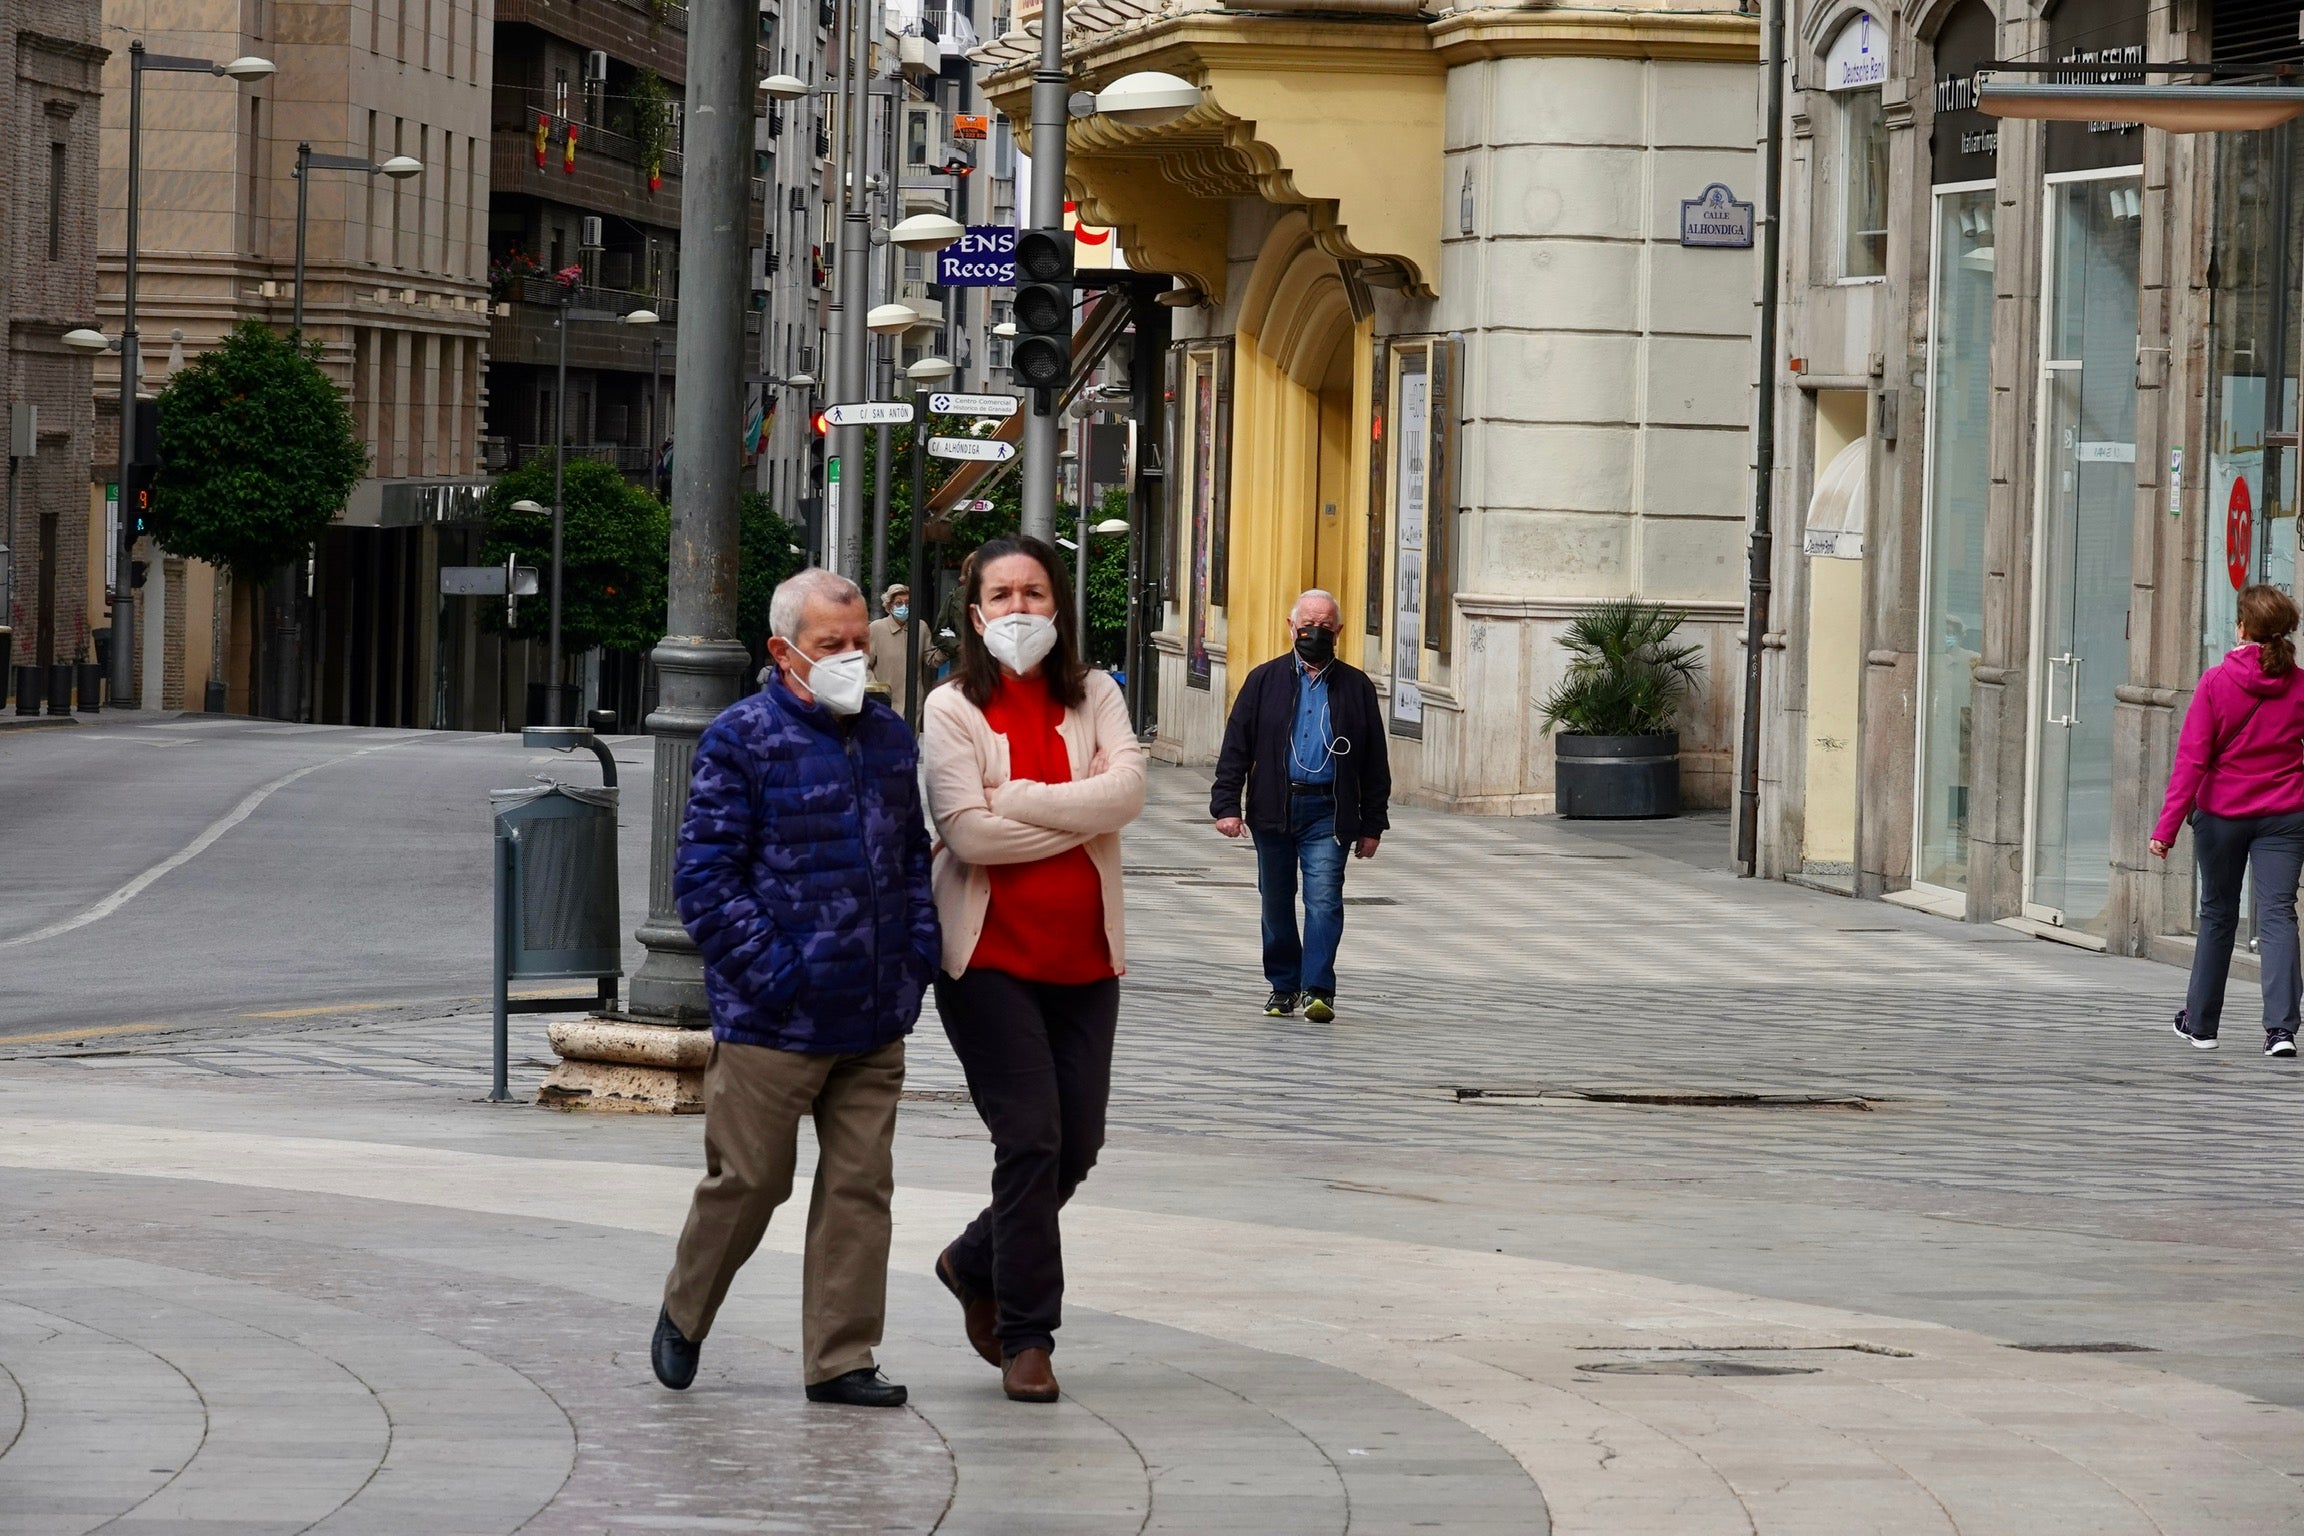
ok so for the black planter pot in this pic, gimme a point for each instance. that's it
(213, 698)
(31, 683)
(60, 688)
(1617, 777)
(91, 687)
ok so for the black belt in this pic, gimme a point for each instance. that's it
(1295, 788)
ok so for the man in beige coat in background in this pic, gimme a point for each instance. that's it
(886, 646)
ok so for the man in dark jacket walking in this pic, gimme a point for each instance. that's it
(1306, 745)
(802, 875)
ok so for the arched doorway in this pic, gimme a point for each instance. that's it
(1299, 511)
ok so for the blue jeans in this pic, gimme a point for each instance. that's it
(1307, 964)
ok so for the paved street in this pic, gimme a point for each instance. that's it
(354, 867)
(1624, 1197)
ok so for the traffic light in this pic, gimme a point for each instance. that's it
(816, 422)
(143, 466)
(1042, 356)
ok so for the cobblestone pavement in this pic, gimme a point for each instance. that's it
(1623, 1197)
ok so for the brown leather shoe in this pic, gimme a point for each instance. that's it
(976, 1312)
(1027, 1378)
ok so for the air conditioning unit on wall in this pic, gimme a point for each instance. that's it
(590, 230)
(596, 65)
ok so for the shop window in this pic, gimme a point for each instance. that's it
(1855, 164)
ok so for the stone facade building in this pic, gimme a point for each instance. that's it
(49, 106)
(395, 295)
(2038, 425)
(1440, 349)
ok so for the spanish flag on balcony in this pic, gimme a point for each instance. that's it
(656, 174)
(568, 155)
(543, 137)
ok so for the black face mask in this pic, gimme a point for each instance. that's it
(1316, 644)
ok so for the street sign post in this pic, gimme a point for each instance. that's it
(971, 448)
(972, 405)
(867, 413)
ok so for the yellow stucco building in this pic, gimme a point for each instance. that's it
(1439, 347)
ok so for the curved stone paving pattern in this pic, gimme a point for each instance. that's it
(1918, 1428)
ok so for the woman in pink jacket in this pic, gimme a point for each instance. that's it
(1033, 769)
(2240, 775)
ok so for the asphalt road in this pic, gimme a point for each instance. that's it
(191, 869)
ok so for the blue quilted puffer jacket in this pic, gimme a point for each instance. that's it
(803, 875)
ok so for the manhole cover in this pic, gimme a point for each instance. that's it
(2086, 1349)
(1667, 1098)
(1694, 1368)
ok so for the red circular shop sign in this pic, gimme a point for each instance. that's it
(2239, 524)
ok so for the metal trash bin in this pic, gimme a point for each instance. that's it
(558, 909)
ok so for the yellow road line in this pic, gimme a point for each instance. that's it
(306, 1013)
(82, 1034)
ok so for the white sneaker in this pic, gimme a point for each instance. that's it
(2280, 1045)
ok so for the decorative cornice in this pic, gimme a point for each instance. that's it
(1573, 32)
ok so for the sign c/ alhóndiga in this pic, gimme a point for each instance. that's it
(1714, 218)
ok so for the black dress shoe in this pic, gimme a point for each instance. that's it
(672, 1354)
(863, 1388)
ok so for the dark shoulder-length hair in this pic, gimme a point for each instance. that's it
(978, 674)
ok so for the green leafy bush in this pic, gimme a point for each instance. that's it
(615, 548)
(261, 454)
(1629, 676)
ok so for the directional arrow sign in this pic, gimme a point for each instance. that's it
(972, 506)
(972, 405)
(866, 413)
(970, 448)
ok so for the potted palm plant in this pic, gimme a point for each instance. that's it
(1615, 750)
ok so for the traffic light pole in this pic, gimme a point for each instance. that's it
(1051, 114)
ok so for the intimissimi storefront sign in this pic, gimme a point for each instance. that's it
(1966, 146)
(2107, 34)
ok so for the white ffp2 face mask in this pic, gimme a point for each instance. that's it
(1019, 641)
(838, 681)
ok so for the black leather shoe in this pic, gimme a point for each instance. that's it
(864, 1388)
(672, 1355)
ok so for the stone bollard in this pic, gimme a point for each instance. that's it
(625, 1066)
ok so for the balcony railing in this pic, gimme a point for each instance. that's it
(548, 294)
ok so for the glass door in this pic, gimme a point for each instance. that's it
(1959, 479)
(2084, 520)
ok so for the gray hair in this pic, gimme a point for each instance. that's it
(1311, 594)
(787, 610)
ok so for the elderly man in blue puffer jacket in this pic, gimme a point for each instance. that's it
(803, 877)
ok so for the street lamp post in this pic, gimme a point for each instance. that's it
(925, 375)
(399, 168)
(700, 664)
(555, 696)
(131, 369)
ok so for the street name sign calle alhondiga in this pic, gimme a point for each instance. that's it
(972, 405)
(867, 413)
(971, 448)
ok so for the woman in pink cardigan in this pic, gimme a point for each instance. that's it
(1033, 768)
(2240, 775)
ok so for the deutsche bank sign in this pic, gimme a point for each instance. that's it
(985, 257)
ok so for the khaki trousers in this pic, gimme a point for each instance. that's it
(754, 1100)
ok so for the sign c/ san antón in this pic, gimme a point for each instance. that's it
(1714, 218)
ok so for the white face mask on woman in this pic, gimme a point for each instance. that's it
(1019, 641)
(837, 681)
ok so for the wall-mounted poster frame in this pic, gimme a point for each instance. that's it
(1411, 489)
(1201, 466)
(1379, 412)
